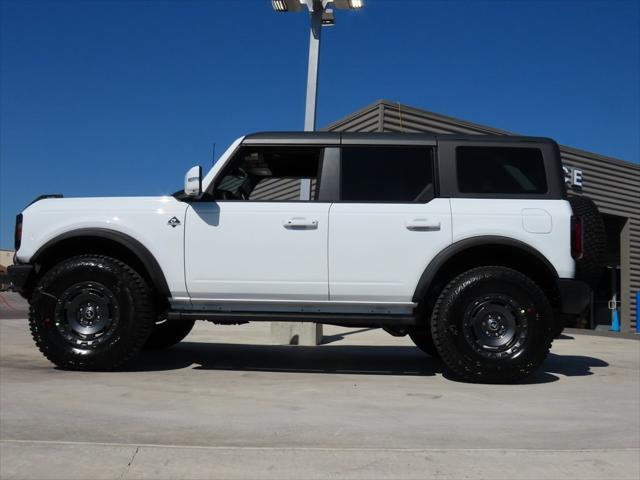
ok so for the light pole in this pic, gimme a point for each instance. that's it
(321, 14)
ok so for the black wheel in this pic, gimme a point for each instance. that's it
(492, 325)
(590, 265)
(91, 312)
(167, 333)
(421, 336)
(558, 326)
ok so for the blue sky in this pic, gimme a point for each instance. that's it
(121, 97)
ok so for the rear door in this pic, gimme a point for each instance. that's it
(388, 224)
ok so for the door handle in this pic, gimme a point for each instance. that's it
(300, 223)
(422, 225)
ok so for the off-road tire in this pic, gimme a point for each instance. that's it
(594, 240)
(559, 325)
(450, 325)
(129, 305)
(168, 333)
(421, 336)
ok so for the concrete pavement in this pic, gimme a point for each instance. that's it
(99, 461)
(224, 404)
(13, 306)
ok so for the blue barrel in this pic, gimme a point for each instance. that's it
(615, 321)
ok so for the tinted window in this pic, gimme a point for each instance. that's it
(270, 174)
(500, 170)
(387, 174)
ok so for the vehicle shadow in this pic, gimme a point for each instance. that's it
(363, 360)
(334, 359)
(336, 338)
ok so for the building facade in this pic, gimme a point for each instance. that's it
(613, 184)
(6, 259)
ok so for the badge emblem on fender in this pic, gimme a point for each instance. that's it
(173, 222)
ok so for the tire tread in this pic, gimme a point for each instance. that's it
(144, 314)
(451, 357)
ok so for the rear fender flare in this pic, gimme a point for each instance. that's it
(456, 248)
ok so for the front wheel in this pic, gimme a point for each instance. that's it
(492, 325)
(91, 312)
(168, 333)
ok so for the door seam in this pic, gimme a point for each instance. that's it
(328, 251)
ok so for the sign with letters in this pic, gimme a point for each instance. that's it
(573, 177)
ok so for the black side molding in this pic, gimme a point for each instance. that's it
(347, 320)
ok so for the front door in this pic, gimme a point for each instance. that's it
(262, 236)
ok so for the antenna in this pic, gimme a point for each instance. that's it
(213, 154)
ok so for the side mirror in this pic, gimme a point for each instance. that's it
(193, 182)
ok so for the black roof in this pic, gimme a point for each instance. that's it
(377, 138)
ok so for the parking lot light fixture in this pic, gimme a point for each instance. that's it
(321, 15)
(279, 5)
(299, 5)
(328, 18)
(349, 4)
(287, 5)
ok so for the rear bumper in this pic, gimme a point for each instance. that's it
(574, 295)
(19, 275)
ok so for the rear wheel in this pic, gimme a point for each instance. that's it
(91, 312)
(558, 326)
(492, 325)
(168, 333)
(421, 336)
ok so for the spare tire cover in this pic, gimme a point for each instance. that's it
(589, 267)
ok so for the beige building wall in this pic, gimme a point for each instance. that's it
(6, 259)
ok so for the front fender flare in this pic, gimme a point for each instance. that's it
(138, 249)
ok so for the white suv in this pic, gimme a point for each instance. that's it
(469, 244)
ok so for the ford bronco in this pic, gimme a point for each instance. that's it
(468, 244)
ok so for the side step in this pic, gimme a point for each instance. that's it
(342, 319)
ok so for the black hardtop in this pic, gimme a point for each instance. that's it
(380, 138)
(446, 144)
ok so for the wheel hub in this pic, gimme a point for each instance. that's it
(495, 326)
(86, 313)
(89, 312)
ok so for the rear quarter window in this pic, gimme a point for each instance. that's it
(500, 170)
